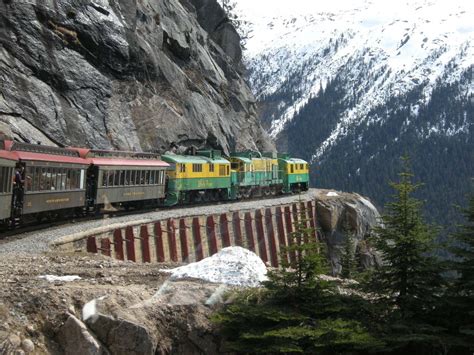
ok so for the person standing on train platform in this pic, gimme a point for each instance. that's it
(18, 186)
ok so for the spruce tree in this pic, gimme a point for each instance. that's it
(462, 300)
(409, 283)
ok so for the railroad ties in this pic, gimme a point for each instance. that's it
(188, 239)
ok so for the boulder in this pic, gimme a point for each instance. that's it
(75, 339)
(340, 214)
(121, 336)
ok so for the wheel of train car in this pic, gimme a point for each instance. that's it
(273, 190)
(248, 193)
(266, 191)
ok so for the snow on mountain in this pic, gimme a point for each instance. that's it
(394, 46)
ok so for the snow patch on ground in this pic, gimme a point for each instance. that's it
(54, 278)
(232, 266)
(332, 194)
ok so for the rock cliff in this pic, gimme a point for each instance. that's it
(125, 74)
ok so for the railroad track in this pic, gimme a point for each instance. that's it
(28, 229)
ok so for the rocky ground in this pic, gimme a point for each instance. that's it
(33, 311)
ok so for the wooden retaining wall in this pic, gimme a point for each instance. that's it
(190, 239)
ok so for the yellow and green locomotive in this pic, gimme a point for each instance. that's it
(194, 178)
(207, 176)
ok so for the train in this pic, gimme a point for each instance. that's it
(38, 181)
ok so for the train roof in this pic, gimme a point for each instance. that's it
(49, 158)
(35, 152)
(6, 155)
(245, 160)
(294, 161)
(128, 162)
(194, 159)
(114, 154)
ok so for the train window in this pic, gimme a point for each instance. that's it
(301, 166)
(116, 178)
(183, 168)
(292, 169)
(3, 178)
(211, 168)
(136, 177)
(126, 177)
(227, 169)
(81, 179)
(110, 181)
(104, 178)
(221, 170)
(57, 179)
(61, 179)
(235, 166)
(197, 168)
(68, 179)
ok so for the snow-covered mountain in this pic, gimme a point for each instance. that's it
(352, 81)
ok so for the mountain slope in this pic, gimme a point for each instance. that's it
(125, 74)
(354, 85)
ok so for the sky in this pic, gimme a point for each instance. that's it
(268, 8)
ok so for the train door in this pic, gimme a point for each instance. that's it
(18, 189)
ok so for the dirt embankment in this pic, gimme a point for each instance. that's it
(33, 311)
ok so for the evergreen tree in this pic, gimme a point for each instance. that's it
(298, 310)
(409, 283)
(462, 302)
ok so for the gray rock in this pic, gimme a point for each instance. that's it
(122, 336)
(128, 74)
(75, 339)
(338, 213)
(14, 340)
(28, 346)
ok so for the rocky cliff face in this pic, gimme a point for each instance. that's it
(124, 74)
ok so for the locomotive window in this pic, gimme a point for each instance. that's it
(227, 169)
(222, 170)
(197, 168)
(211, 168)
(235, 166)
(292, 169)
